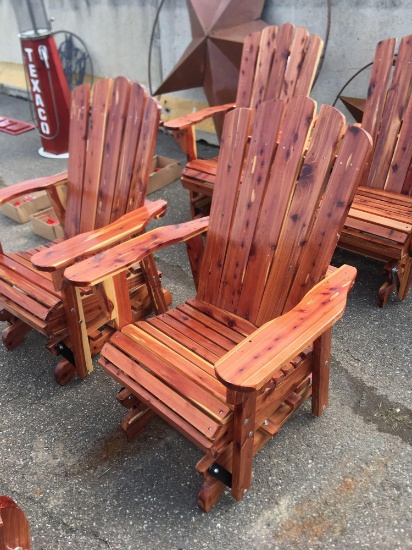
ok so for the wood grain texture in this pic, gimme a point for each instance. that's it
(276, 63)
(14, 527)
(278, 341)
(63, 254)
(125, 255)
(397, 98)
(379, 223)
(113, 129)
(30, 186)
(230, 366)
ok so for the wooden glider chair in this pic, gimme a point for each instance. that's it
(228, 367)
(14, 527)
(379, 224)
(276, 63)
(112, 139)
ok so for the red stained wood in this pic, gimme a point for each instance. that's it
(14, 527)
(276, 63)
(112, 139)
(247, 68)
(205, 366)
(251, 193)
(295, 130)
(321, 372)
(40, 184)
(113, 260)
(99, 112)
(397, 99)
(380, 219)
(288, 334)
(381, 72)
(79, 127)
(86, 244)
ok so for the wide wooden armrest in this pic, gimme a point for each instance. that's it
(115, 260)
(63, 254)
(30, 186)
(251, 364)
(195, 118)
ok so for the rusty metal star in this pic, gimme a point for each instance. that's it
(212, 59)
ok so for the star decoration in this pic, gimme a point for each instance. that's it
(212, 59)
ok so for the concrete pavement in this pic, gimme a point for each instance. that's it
(340, 481)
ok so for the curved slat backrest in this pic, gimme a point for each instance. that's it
(112, 138)
(14, 527)
(387, 116)
(274, 227)
(277, 63)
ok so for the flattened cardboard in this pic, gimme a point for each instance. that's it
(164, 171)
(47, 225)
(21, 208)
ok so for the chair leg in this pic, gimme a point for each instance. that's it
(243, 437)
(135, 422)
(14, 527)
(321, 372)
(154, 285)
(64, 372)
(14, 335)
(389, 286)
(210, 493)
(405, 279)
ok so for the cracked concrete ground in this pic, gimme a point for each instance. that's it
(340, 481)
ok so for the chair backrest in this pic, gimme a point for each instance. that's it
(277, 64)
(273, 229)
(14, 527)
(388, 117)
(113, 130)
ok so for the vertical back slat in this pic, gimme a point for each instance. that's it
(296, 57)
(247, 69)
(378, 86)
(254, 180)
(112, 149)
(264, 61)
(137, 102)
(79, 123)
(303, 206)
(402, 158)
(407, 184)
(144, 154)
(309, 65)
(96, 142)
(298, 117)
(229, 169)
(338, 196)
(284, 41)
(396, 103)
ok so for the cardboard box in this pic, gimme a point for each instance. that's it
(164, 171)
(21, 208)
(46, 224)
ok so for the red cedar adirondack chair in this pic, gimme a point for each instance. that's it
(112, 141)
(379, 224)
(228, 367)
(14, 527)
(276, 64)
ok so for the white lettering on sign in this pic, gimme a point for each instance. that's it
(45, 129)
(37, 92)
(33, 70)
(29, 52)
(38, 101)
(42, 114)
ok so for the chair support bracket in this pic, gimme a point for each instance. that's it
(220, 473)
(63, 350)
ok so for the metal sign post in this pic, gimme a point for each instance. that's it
(45, 77)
